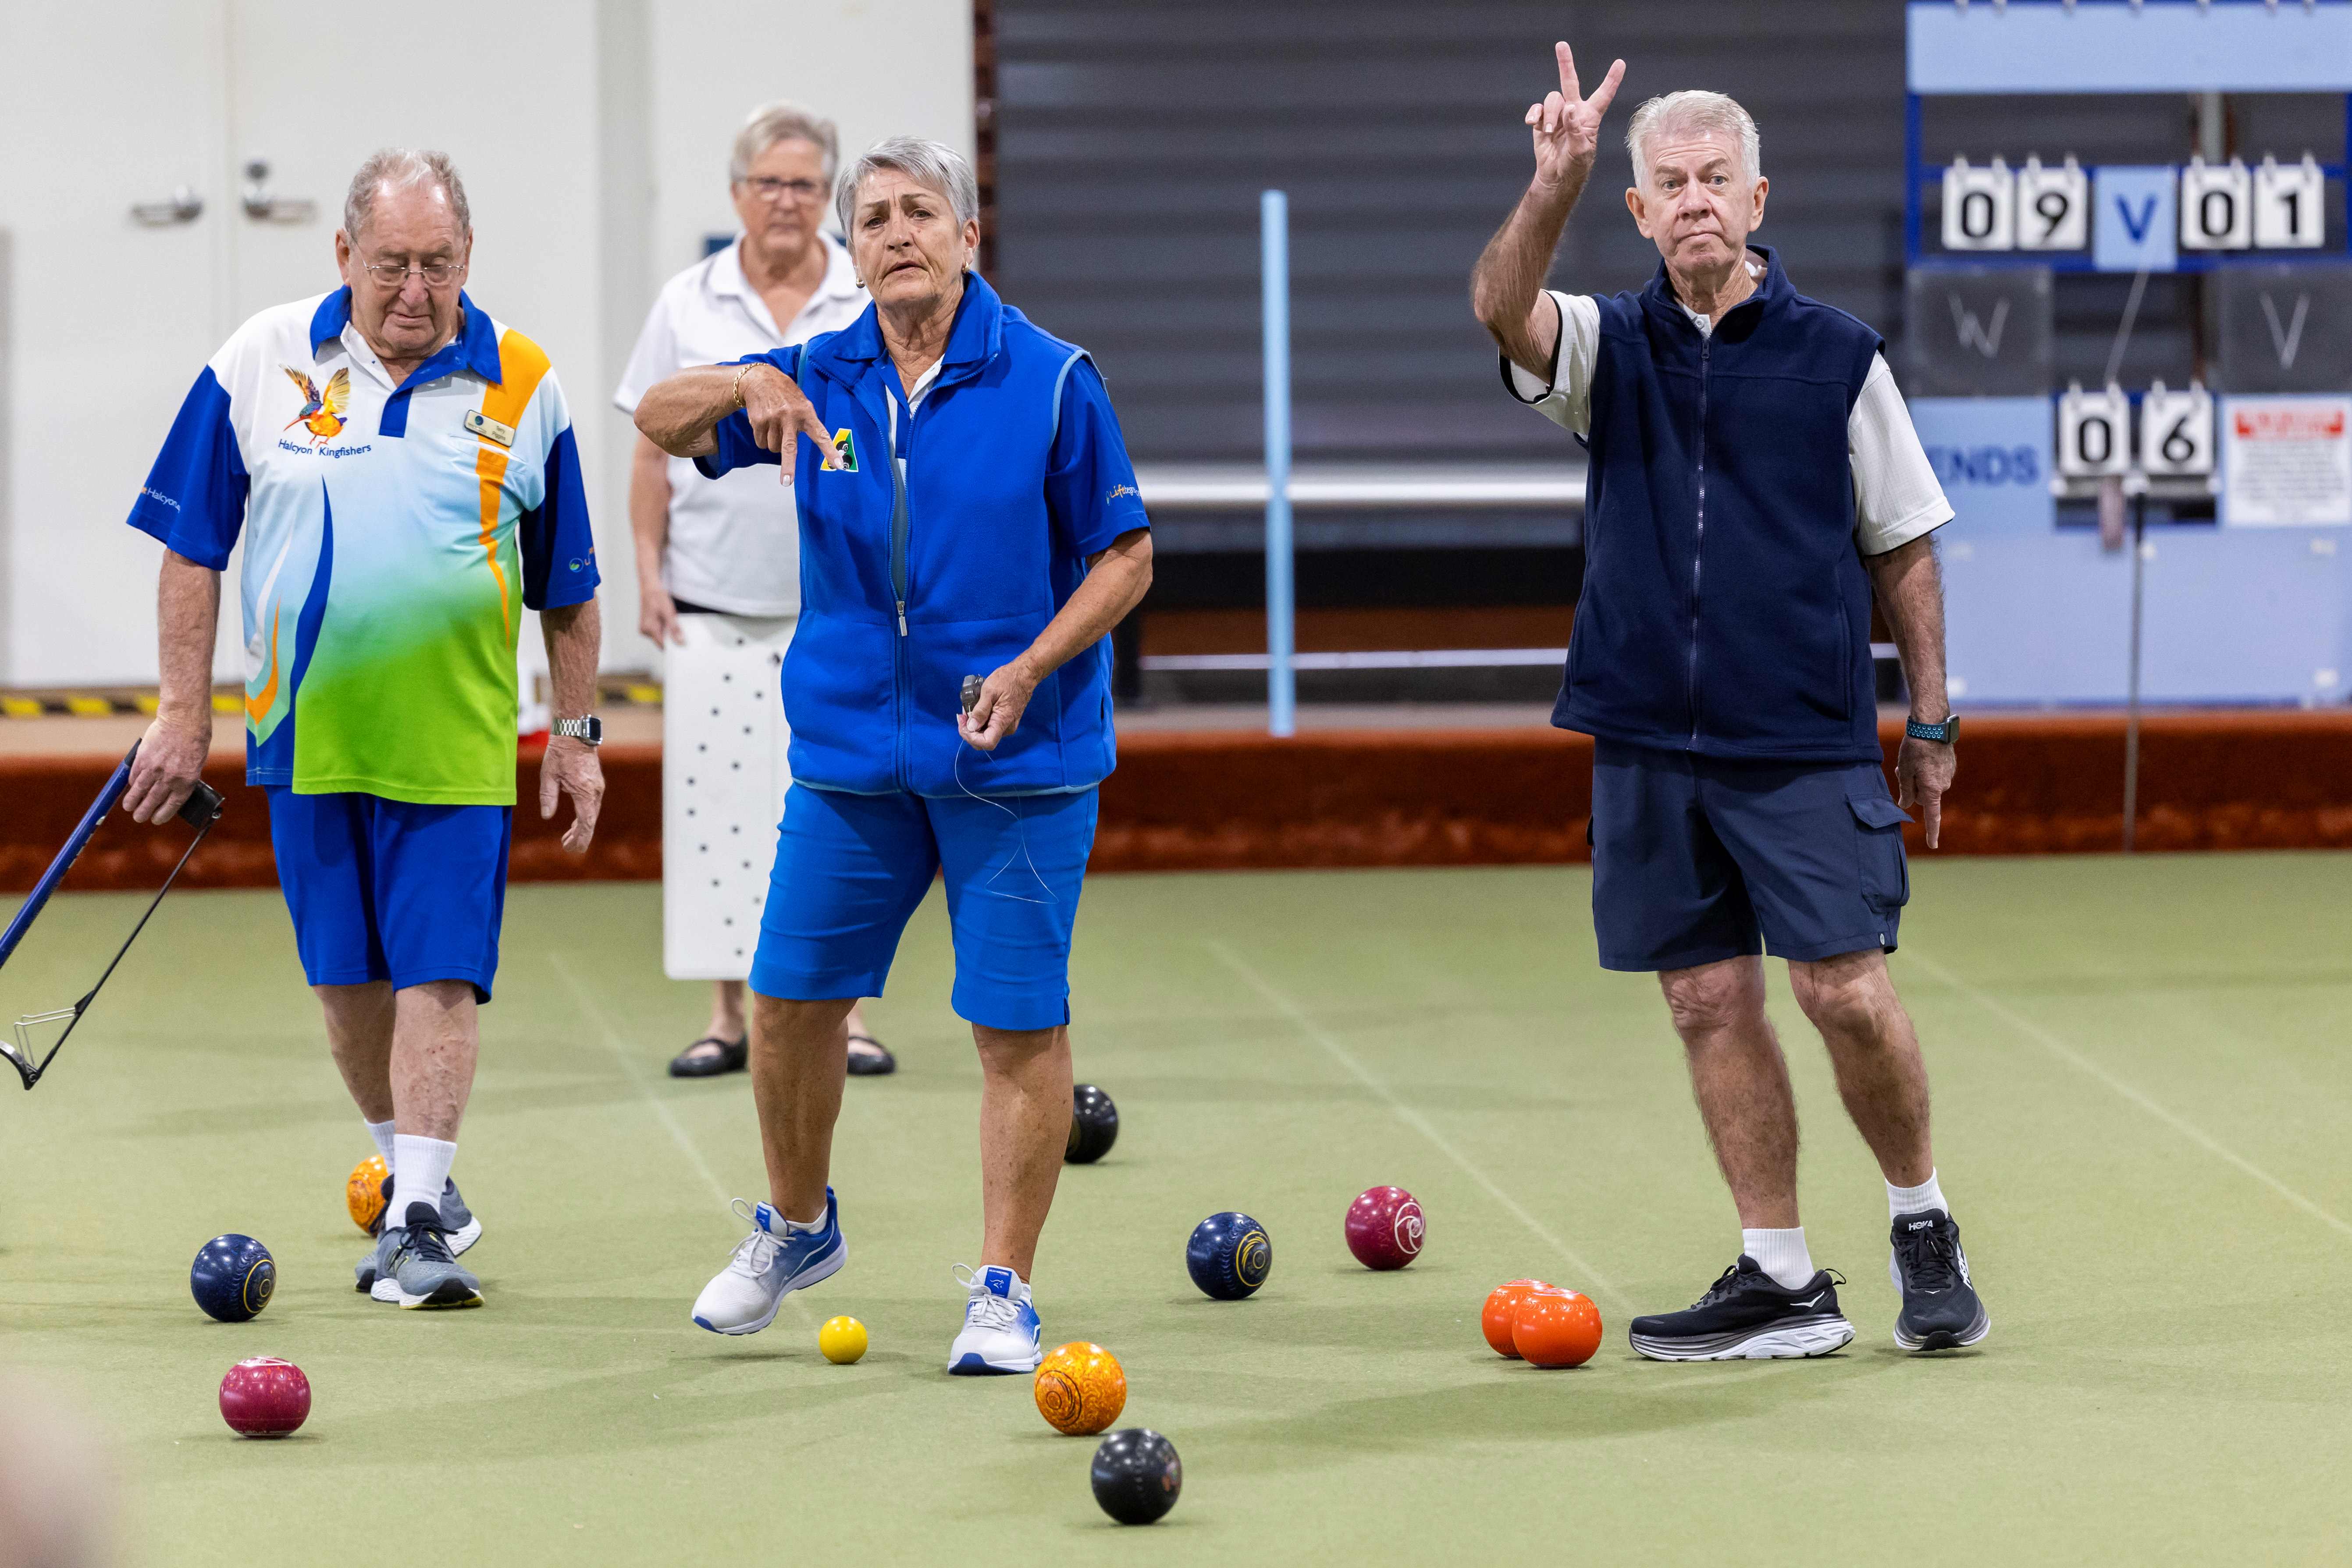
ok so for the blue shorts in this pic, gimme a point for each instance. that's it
(1696, 859)
(850, 869)
(383, 889)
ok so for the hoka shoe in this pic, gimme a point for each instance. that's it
(1940, 1309)
(769, 1264)
(1745, 1315)
(1000, 1325)
(414, 1267)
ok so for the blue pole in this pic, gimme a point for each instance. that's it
(1281, 685)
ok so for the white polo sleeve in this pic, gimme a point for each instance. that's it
(1567, 399)
(655, 358)
(1897, 496)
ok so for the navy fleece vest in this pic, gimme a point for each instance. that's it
(1725, 610)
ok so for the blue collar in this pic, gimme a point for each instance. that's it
(1771, 289)
(475, 348)
(977, 336)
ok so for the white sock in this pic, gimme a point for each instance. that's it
(381, 1132)
(1928, 1195)
(804, 1227)
(1780, 1254)
(420, 1168)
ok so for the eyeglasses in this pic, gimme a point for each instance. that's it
(394, 275)
(768, 188)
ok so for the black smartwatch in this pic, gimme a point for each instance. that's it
(591, 729)
(1947, 732)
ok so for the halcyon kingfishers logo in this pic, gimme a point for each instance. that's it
(322, 413)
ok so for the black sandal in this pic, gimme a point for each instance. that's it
(732, 1056)
(875, 1062)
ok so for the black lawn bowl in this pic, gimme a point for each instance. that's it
(1137, 1474)
(1094, 1125)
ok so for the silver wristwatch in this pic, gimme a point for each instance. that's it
(591, 729)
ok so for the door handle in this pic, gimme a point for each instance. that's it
(263, 207)
(182, 206)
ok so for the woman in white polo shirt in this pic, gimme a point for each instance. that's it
(719, 573)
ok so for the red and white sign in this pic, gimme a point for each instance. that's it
(2286, 461)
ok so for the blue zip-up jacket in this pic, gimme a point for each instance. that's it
(1725, 610)
(950, 562)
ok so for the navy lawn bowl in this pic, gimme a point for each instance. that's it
(1230, 1256)
(232, 1277)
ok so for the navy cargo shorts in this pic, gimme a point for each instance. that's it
(1696, 859)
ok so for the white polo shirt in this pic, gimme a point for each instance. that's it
(1897, 495)
(734, 543)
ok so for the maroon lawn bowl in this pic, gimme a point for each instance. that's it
(1385, 1227)
(265, 1397)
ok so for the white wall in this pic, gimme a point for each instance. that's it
(594, 169)
(876, 67)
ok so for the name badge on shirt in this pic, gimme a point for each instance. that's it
(488, 429)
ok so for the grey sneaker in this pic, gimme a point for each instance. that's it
(377, 1262)
(463, 1227)
(415, 1269)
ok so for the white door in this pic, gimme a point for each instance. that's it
(106, 318)
(511, 97)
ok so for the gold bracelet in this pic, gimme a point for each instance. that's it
(738, 386)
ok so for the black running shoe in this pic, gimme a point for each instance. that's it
(1745, 1315)
(1940, 1309)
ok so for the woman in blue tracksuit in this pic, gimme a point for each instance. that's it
(967, 508)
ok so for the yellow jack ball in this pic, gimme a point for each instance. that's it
(842, 1339)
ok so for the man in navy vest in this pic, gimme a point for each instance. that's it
(1754, 478)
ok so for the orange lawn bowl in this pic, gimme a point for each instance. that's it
(1502, 1306)
(1556, 1328)
(1080, 1389)
(363, 1193)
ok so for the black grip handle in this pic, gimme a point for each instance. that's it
(203, 807)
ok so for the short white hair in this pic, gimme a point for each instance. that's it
(1694, 110)
(934, 165)
(398, 168)
(782, 121)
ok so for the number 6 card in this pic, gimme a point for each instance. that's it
(2176, 430)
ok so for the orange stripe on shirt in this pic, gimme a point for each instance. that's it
(522, 363)
(257, 708)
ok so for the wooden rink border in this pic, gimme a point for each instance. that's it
(1230, 800)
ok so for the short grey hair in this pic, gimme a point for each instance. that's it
(1689, 110)
(932, 164)
(398, 168)
(782, 121)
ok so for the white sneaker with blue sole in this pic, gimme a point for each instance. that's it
(1000, 1332)
(768, 1265)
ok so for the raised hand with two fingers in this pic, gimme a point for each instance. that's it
(1566, 125)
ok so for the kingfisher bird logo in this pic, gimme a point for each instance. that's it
(322, 413)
